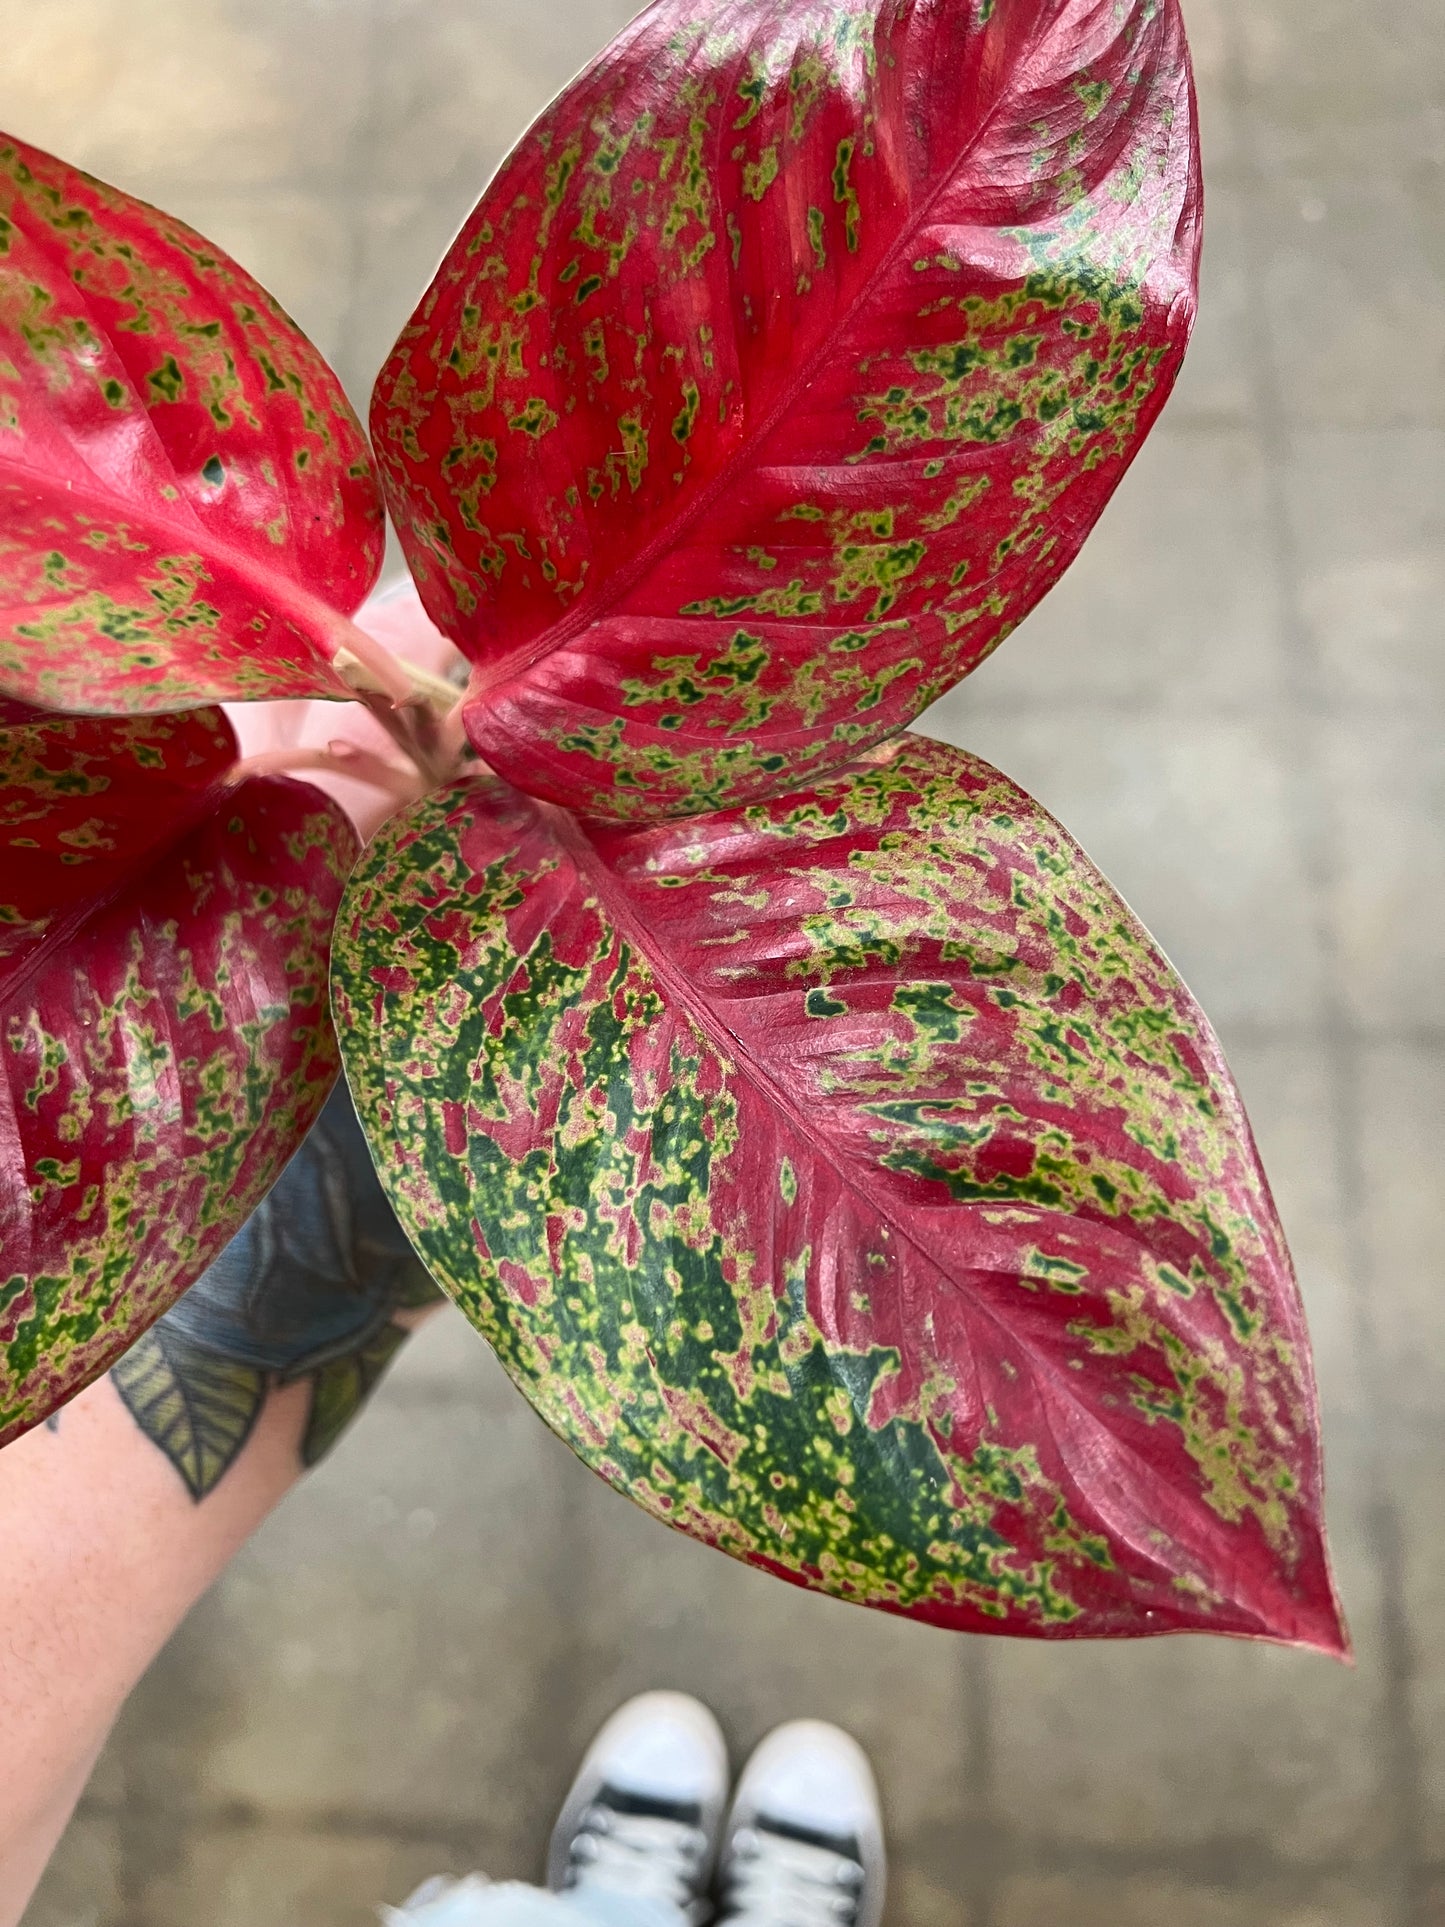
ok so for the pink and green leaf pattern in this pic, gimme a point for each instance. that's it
(164, 1031)
(782, 369)
(188, 507)
(850, 1180)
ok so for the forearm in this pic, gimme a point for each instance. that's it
(117, 1516)
(104, 1552)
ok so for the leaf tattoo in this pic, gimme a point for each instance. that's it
(341, 1389)
(200, 1409)
(307, 1289)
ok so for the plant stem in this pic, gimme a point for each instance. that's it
(339, 758)
(452, 737)
(419, 732)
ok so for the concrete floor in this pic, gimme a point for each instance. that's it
(1233, 700)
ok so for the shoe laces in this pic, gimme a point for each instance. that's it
(775, 1881)
(643, 1855)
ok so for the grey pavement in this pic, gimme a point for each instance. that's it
(1234, 701)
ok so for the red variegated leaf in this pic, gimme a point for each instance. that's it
(163, 1023)
(781, 370)
(188, 509)
(84, 800)
(850, 1180)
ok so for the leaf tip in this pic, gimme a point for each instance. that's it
(1326, 1631)
(1314, 1618)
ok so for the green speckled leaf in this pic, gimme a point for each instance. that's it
(164, 1038)
(850, 1180)
(188, 508)
(781, 370)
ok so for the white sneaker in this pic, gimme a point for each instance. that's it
(803, 1845)
(646, 1807)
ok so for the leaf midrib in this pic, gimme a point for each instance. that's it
(727, 1043)
(618, 584)
(315, 615)
(290, 599)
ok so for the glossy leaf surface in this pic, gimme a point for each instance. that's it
(783, 367)
(163, 1023)
(851, 1181)
(186, 498)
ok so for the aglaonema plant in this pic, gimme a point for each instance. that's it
(824, 1147)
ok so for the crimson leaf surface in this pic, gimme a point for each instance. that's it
(188, 508)
(784, 366)
(164, 1037)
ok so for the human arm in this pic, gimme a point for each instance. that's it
(117, 1517)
